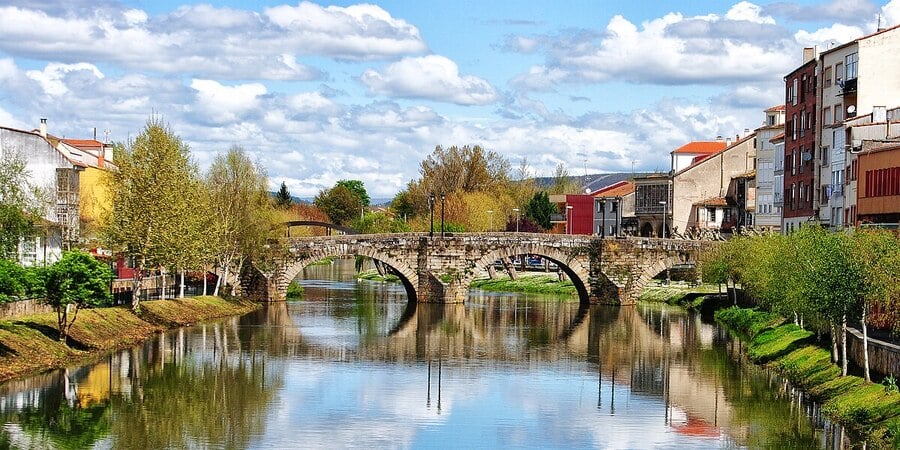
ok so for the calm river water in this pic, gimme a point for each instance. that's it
(354, 365)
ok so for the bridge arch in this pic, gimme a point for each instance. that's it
(653, 268)
(407, 275)
(575, 269)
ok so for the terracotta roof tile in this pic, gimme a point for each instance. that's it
(776, 108)
(619, 189)
(701, 147)
(713, 201)
(84, 143)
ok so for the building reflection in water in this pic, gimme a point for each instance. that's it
(222, 379)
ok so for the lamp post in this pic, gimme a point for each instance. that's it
(603, 219)
(568, 214)
(664, 204)
(618, 215)
(491, 219)
(431, 210)
(442, 214)
(517, 219)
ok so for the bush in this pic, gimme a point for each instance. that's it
(17, 282)
(294, 290)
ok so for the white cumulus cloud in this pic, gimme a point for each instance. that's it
(53, 78)
(222, 104)
(432, 77)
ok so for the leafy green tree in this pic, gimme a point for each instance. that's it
(539, 209)
(879, 254)
(358, 189)
(152, 194)
(379, 222)
(243, 217)
(340, 204)
(77, 280)
(283, 197)
(403, 205)
(22, 204)
(562, 182)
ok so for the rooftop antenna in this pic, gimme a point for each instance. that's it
(879, 23)
(106, 132)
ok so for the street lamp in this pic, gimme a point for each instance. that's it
(665, 214)
(442, 214)
(568, 213)
(431, 209)
(491, 218)
(517, 219)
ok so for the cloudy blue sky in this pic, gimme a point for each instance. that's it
(319, 92)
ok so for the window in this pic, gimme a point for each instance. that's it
(809, 120)
(726, 215)
(838, 113)
(770, 120)
(802, 124)
(827, 76)
(614, 206)
(793, 162)
(852, 61)
(805, 84)
(794, 126)
(839, 73)
(827, 119)
(801, 199)
(794, 88)
(825, 155)
(793, 196)
(711, 214)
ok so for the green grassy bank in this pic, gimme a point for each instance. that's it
(868, 408)
(30, 344)
(534, 284)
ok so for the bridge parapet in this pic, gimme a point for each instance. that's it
(439, 269)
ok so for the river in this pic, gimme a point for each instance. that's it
(354, 365)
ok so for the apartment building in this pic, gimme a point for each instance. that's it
(858, 78)
(800, 143)
(767, 210)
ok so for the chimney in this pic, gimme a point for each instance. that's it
(746, 132)
(95, 133)
(728, 142)
(809, 54)
(719, 138)
(43, 129)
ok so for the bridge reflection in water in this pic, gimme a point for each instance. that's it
(228, 383)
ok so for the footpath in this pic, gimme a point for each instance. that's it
(30, 344)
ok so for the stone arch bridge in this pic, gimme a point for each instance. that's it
(440, 269)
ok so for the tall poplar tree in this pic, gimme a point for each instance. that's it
(244, 215)
(152, 212)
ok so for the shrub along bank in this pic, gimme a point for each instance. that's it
(869, 408)
(31, 344)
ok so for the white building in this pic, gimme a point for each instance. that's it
(857, 78)
(57, 176)
(768, 213)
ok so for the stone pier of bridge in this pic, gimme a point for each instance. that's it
(440, 269)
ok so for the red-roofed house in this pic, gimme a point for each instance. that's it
(614, 209)
(694, 152)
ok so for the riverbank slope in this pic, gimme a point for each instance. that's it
(30, 344)
(869, 408)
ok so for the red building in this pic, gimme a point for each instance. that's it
(576, 214)
(878, 192)
(800, 143)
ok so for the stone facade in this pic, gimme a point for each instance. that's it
(436, 269)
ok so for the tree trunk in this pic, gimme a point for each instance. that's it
(844, 345)
(137, 281)
(224, 280)
(62, 313)
(219, 276)
(834, 343)
(181, 286)
(162, 284)
(204, 280)
(865, 314)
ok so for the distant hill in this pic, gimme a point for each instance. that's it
(593, 181)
